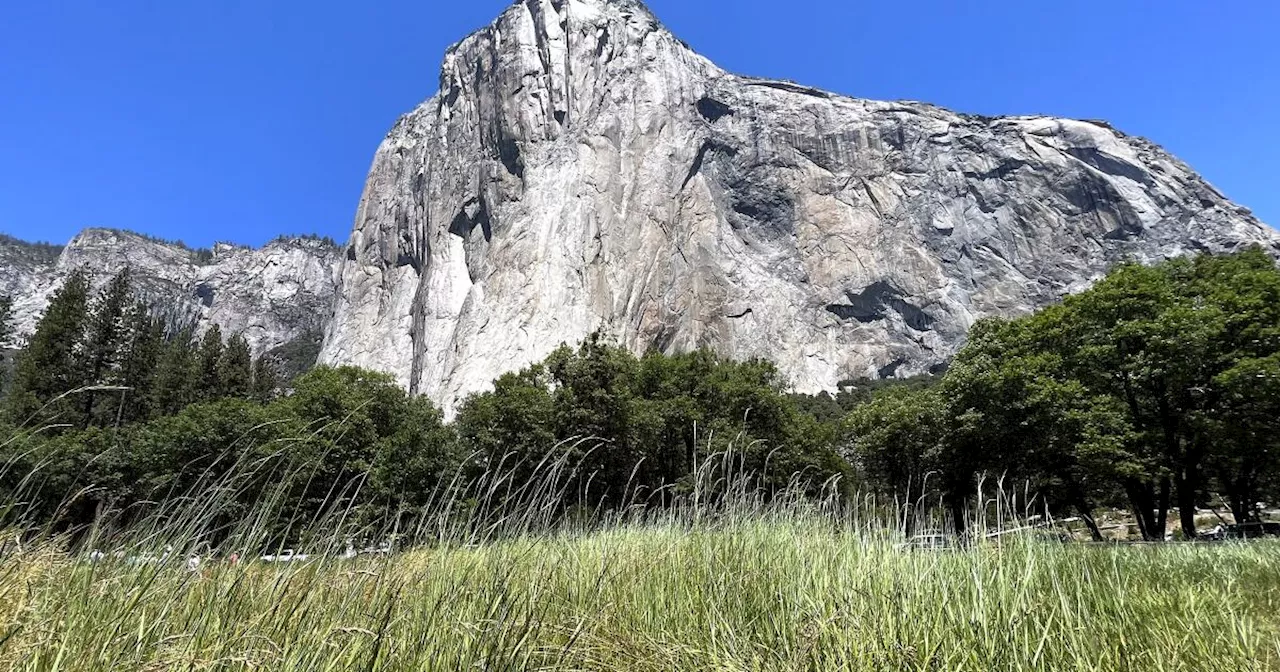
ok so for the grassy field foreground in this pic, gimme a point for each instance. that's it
(770, 593)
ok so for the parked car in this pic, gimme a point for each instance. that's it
(288, 555)
(928, 541)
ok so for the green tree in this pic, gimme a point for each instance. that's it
(1015, 411)
(100, 357)
(416, 460)
(591, 389)
(235, 369)
(343, 415)
(47, 367)
(512, 425)
(1159, 339)
(208, 356)
(644, 424)
(72, 478)
(221, 448)
(896, 441)
(176, 375)
(142, 349)
(1237, 413)
(1141, 383)
(6, 332)
(1245, 460)
(6, 315)
(266, 378)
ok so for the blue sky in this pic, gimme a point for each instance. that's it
(244, 119)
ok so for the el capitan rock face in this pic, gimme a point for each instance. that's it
(582, 169)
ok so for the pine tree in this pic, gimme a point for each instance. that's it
(174, 381)
(47, 366)
(208, 386)
(139, 358)
(6, 330)
(6, 313)
(99, 359)
(266, 379)
(235, 369)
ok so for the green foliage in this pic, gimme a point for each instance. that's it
(297, 356)
(827, 408)
(193, 450)
(1141, 388)
(357, 425)
(49, 365)
(639, 425)
(235, 369)
(143, 345)
(104, 349)
(1014, 409)
(208, 384)
(38, 252)
(266, 379)
(327, 241)
(202, 256)
(6, 316)
(176, 375)
(513, 422)
(6, 332)
(897, 441)
(416, 461)
(1161, 342)
(1159, 387)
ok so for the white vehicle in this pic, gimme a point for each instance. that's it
(287, 556)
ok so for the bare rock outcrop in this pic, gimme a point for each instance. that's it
(273, 296)
(581, 168)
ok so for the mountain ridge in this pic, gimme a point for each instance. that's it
(273, 295)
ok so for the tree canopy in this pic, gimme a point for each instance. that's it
(1157, 389)
(1154, 386)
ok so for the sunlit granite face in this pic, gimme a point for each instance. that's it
(581, 168)
(271, 295)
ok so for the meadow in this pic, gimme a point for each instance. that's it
(734, 582)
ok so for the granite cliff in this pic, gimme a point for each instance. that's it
(581, 169)
(278, 296)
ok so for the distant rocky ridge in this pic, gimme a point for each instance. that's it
(277, 296)
(582, 169)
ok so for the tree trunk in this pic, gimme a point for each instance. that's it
(1187, 509)
(1087, 516)
(1142, 501)
(1240, 498)
(1188, 487)
(956, 507)
(1162, 513)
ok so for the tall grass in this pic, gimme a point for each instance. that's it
(499, 575)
